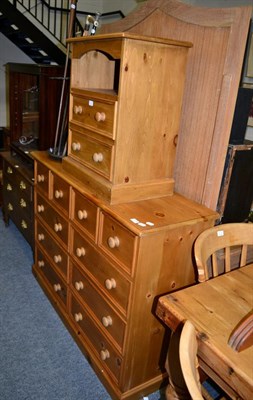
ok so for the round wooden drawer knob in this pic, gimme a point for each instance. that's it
(113, 241)
(104, 354)
(80, 251)
(41, 237)
(58, 227)
(58, 194)
(78, 109)
(57, 287)
(40, 208)
(78, 317)
(82, 214)
(110, 284)
(76, 146)
(41, 178)
(107, 321)
(57, 259)
(79, 285)
(41, 263)
(97, 157)
(100, 116)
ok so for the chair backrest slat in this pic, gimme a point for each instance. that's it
(227, 259)
(243, 259)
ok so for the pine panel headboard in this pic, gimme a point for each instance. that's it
(219, 37)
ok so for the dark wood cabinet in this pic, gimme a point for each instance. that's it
(33, 97)
(34, 93)
(18, 194)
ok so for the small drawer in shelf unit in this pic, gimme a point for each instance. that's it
(53, 250)
(84, 213)
(106, 353)
(61, 193)
(117, 242)
(53, 219)
(95, 154)
(56, 284)
(42, 175)
(93, 112)
(106, 317)
(108, 276)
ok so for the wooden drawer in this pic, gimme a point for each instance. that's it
(42, 178)
(107, 318)
(61, 193)
(92, 153)
(53, 219)
(56, 254)
(108, 277)
(95, 115)
(117, 241)
(85, 213)
(109, 357)
(55, 282)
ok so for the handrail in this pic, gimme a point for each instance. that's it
(54, 18)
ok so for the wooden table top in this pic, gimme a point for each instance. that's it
(215, 307)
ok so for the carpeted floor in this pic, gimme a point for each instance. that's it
(38, 358)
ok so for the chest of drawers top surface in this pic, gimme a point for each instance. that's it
(141, 217)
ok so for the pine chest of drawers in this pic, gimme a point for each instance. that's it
(103, 266)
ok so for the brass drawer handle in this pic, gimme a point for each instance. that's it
(10, 207)
(41, 237)
(107, 321)
(79, 285)
(58, 194)
(80, 251)
(22, 203)
(78, 317)
(58, 227)
(78, 109)
(24, 224)
(22, 185)
(104, 354)
(57, 287)
(41, 178)
(57, 258)
(41, 263)
(76, 146)
(82, 214)
(97, 157)
(100, 116)
(9, 170)
(110, 284)
(9, 187)
(40, 208)
(113, 241)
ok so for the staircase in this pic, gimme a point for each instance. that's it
(39, 28)
(27, 36)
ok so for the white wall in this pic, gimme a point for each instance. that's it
(8, 53)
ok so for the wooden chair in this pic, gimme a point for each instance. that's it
(188, 348)
(222, 248)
